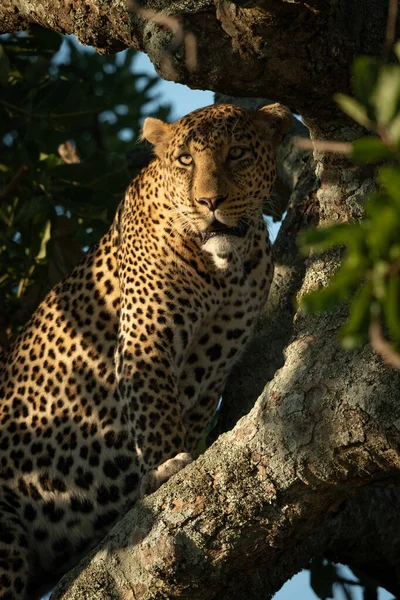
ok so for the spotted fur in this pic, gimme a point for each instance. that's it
(109, 387)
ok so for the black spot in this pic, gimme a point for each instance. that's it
(43, 461)
(80, 505)
(184, 338)
(52, 513)
(123, 462)
(6, 535)
(234, 334)
(214, 352)
(189, 391)
(34, 493)
(84, 479)
(105, 519)
(199, 374)
(29, 512)
(110, 469)
(131, 482)
(41, 534)
(169, 334)
(178, 319)
(27, 466)
(58, 485)
(94, 460)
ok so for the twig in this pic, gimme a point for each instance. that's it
(382, 347)
(14, 183)
(390, 28)
(22, 111)
(323, 145)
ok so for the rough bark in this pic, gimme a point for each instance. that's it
(279, 49)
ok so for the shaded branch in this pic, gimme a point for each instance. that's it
(13, 185)
(278, 49)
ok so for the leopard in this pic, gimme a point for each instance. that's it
(109, 387)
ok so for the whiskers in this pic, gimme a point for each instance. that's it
(273, 206)
(181, 231)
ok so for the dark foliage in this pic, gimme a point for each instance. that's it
(55, 202)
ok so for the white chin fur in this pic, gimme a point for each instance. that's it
(221, 248)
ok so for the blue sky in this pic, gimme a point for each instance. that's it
(183, 99)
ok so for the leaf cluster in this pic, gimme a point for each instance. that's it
(53, 91)
(326, 578)
(369, 276)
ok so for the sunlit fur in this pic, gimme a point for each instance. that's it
(208, 135)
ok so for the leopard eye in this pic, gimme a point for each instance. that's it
(185, 159)
(236, 152)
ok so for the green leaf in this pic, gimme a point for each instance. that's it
(322, 238)
(88, 211)
(322, 577)
(50, 161)
(354, 109)
(380, 235)
(355, 332)
(45, 237)
(391, 304)
(378, 278)
(370, 150)
(394, 253)
(375, 202)
(394, 130)
(383, 233)
(387, 94)
(390, 179)
(46, 38)
(366, 72)
(339, 288)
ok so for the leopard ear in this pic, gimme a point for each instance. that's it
(275, 120)
(157, 133)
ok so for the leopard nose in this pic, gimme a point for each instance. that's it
(212, 202)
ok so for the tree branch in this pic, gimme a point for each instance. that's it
(279, 49)
(13, 185)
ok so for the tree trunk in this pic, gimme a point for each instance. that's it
(281, 486)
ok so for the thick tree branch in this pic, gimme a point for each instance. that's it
(254, 498)
(277, 49)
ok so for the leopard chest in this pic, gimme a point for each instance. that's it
(218, 342)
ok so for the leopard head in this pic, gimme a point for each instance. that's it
(218, 168)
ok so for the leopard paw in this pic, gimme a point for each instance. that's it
(152, 480)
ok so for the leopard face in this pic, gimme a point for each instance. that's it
(218, 169)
